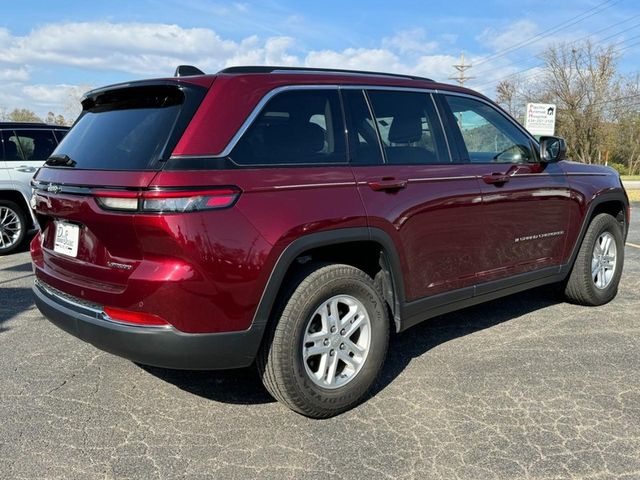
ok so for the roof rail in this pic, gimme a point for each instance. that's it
(267, 69)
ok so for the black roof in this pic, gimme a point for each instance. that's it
(310, 70)
(32, 125)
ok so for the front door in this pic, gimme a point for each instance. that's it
(414, 189)
(525, 202)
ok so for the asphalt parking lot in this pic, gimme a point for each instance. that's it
(523, 387)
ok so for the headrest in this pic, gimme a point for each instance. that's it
(406, 128)
(310, 138)
(304, 139)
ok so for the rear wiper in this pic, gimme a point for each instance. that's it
(62, 160)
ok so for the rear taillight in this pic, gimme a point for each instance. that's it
(167, 201)
(136, 318)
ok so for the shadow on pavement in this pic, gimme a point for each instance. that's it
(23, 267)
(13, 301)
(244, 386)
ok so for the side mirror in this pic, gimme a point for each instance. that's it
(552, 149)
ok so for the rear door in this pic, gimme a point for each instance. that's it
(525, 203)
(415, 188)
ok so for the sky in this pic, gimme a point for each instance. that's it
(51, 52)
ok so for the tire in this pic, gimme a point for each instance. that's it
(587, 288)
(13, 226)
(288, 364)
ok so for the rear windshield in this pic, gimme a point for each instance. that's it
(127, 129)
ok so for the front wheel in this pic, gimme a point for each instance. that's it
(329, 342)
(597, 269)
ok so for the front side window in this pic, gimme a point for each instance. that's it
(35, 144)
(295, 127)
(409, 127)
(489, 137)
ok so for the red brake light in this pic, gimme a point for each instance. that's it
(167, 201)
(138, 318)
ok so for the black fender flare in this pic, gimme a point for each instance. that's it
(604, 197)
(326, 238)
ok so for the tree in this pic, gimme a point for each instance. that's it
(54, 119)
(582, 80)
(22, 115)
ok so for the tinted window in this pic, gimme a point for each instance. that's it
(295, 127)
(409, 127)
(364, 148)
(127, 129)
(60, 134)
(11, 147)
(35, 144)
(487, 134)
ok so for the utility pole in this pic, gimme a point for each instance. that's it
(461, 68)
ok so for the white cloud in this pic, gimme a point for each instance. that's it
(514, 34)
(410, 42)
(146, 50)
(14, 74)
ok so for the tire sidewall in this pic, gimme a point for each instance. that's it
(605, 224)
(342, 397)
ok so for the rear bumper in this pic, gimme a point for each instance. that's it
(157, 346)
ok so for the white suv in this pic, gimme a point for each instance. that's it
(25, 147)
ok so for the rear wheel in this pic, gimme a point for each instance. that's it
(597, 270)
(12, 226)
(329, 342)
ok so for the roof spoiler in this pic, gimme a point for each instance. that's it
(187, 71)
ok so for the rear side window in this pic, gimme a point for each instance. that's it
(295, 127)
(488, 135)
(409, 127)
(128, 129)
(35, 144)
(11, 146)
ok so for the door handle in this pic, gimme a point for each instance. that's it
(387, 184)
(26, 169)
(496, 178)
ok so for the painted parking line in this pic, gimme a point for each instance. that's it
(629, 244)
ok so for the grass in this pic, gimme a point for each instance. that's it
(630, 177)
(634, 195)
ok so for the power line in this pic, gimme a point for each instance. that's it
(616, 51)
(583, 16)
(461, 77)
(573, 43)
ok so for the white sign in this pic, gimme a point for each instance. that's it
(540, 118)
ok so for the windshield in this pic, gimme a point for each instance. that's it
(126, 129)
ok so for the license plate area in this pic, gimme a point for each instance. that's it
(66, 239)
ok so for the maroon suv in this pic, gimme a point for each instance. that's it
(292, 217)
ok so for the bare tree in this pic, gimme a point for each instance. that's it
(54, 119)
(72, 105)
(582, 80)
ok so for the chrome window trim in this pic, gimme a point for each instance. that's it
(364, 87)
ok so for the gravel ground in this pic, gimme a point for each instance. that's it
(522, 387)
